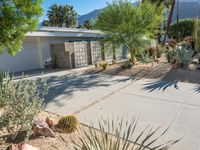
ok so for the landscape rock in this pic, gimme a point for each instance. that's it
(22, 146)
(49, 122)
(41, 128)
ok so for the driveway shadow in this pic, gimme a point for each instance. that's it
(66, 86)
(160, 85)
(172, 77)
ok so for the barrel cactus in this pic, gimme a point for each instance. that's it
(68, 124)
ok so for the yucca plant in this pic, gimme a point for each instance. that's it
(119, 135)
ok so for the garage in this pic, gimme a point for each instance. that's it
(27, 59)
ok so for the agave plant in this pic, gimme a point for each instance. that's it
(119, 135)
(184, 56)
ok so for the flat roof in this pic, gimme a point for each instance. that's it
(65, 32)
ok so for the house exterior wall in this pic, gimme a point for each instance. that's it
(26, 59)
(36, 50)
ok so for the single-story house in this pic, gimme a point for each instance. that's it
(37, 47)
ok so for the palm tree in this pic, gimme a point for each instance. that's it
(88, 24)
(169, 4)
(61, 16)
(54, 17)
(172, 3)
(69, 16)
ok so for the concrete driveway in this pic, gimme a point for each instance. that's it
(159, 103)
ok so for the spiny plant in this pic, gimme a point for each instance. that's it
(121, 135)
(23, 101)
(68, 124)
(184, 56)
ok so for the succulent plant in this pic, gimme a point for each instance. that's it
(68, 124)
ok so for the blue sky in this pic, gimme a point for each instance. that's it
(81, 6)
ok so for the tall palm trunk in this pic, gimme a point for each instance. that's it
(169, 19)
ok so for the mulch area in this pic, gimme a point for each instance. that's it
(161, 71)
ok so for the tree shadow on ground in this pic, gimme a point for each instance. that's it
(172, 77)
(197, 88)
(160, 85)
(65, 86)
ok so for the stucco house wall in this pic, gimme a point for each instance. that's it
(36, 47)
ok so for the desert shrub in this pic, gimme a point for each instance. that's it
(126, 65)
(24, 100)
(121, 135)
(184, 56)
(171, 56)
(68, 124)
(160, 50)
(4, 78)
(103, 65)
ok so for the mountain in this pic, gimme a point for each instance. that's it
(91, 15)
(187, 9)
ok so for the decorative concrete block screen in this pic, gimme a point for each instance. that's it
(60, 57)
(121, 53)
(80, 54)
(96, 52)
(108, 52)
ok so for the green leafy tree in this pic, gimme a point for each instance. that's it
(17, 17)
(127, 24)
(186, 28)
(61, 16)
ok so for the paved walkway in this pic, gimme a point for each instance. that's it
(159, 103)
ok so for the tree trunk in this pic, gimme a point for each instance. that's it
(169, 20)
(133, 59)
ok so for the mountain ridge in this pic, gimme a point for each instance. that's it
(187, 9)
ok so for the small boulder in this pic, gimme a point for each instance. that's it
(41, 128)
(22, 146)
(49, 122)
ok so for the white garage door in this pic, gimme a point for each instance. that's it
(27, 59)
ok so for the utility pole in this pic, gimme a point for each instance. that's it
(177, 19)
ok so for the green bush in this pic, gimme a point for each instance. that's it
(103, 65)
(23, 100)
(127, 65)
(122, 135)
(186, 28)
(68, 124)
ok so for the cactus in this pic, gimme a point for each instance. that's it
(68, 124)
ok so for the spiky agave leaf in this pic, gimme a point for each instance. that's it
(119, 135)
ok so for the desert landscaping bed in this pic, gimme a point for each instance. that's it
(161, 71)
(62, 141)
